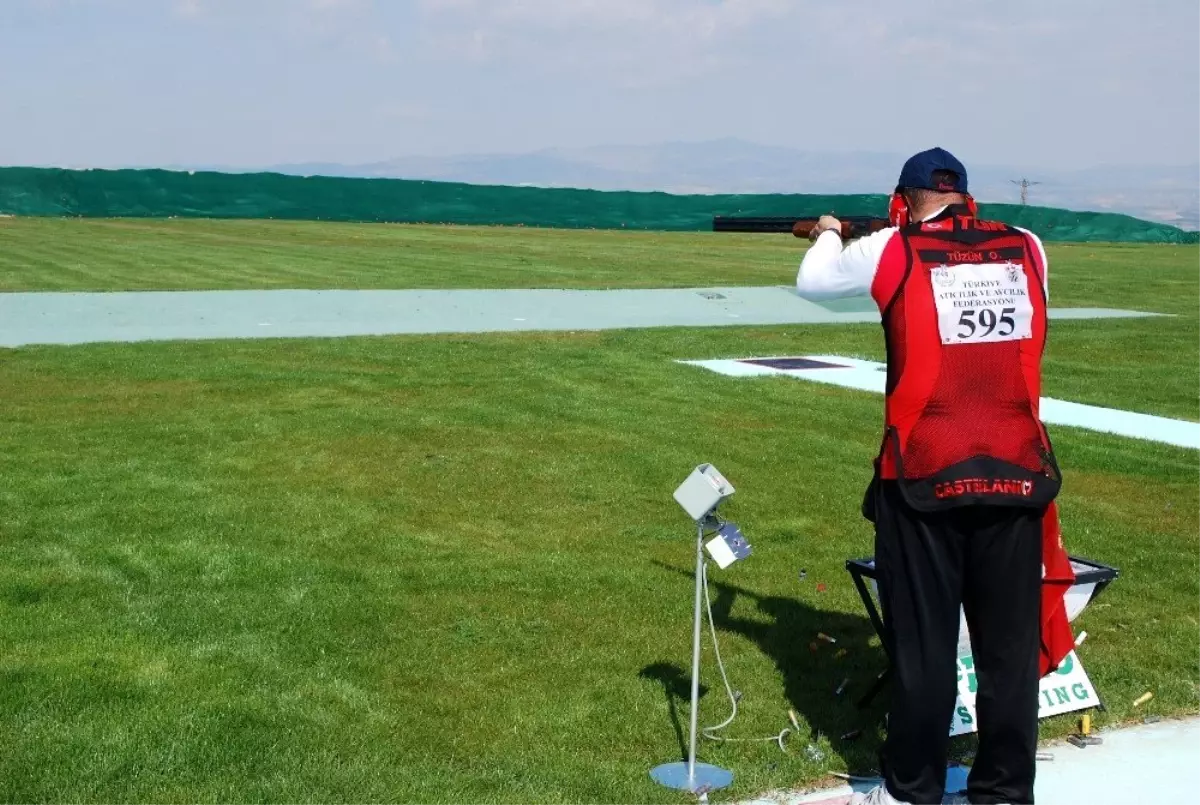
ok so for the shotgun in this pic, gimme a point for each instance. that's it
(853, 226)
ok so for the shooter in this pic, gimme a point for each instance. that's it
(964, 484)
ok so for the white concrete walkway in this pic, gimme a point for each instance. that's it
(1151, 763)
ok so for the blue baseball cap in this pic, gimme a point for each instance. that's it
(918, 171)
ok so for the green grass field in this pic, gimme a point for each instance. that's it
(57, 254)
(449, 569)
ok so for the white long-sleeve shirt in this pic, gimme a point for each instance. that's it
(829, 271)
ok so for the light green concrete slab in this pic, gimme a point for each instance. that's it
(81, 318)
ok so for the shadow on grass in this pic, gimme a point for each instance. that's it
(677, 685)
(811, 668)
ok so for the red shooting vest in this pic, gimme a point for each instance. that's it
(964, 316)
(962, 423)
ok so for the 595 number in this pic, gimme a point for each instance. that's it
(982, 323)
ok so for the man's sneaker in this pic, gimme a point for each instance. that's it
(876, 796)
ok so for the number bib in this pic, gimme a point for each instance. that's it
(980, 304)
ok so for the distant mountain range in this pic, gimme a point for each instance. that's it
(1168, 194)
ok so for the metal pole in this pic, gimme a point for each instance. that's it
(698, 778)
(696, 653)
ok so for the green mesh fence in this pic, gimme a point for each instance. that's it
(160, 194)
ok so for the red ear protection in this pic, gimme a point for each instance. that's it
(898, 210)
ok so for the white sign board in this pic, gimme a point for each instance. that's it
(1061, 691)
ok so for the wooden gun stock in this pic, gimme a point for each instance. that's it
(853, 226)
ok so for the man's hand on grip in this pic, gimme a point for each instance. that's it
(825, 223)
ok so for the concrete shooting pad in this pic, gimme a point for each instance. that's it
(862, 375)
(82, 318)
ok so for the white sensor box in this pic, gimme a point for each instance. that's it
(703, 491)
(728, 546)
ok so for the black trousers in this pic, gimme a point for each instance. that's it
(988, 560)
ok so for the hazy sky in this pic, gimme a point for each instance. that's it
(1038, 83)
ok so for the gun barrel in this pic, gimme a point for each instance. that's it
(755, 223)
